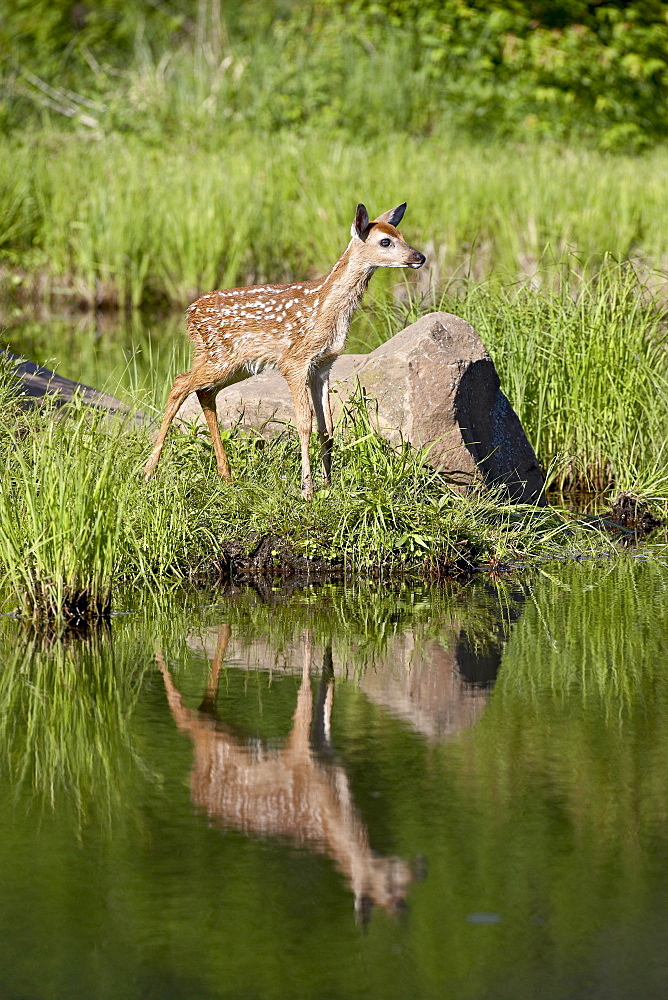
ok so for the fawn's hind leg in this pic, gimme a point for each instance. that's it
(199, 380)
(207, 400)
(180, 389)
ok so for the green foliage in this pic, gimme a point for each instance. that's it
(54, 34)
(593, 70)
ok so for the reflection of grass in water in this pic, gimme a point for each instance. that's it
(361, 619)
(597, 629)
(67, 699)
(579, 714)
(65, 707)
(550, 811)
(545, 812)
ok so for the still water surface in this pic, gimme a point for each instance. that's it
(342, 793)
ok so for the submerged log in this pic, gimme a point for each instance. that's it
(33, 382)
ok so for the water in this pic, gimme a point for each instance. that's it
(135, 354)
(345, 792)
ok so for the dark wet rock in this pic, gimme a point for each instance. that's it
(266, 560)
(35, 382)
(630, 512)
(434, 385)
(274, 556)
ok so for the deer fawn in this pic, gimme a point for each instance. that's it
(298, 792)
(298, 328)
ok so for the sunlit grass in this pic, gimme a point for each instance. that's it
(61, 514)
(149, 223)
(582, 359)
(76, 517)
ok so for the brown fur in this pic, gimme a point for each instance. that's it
(299, 328)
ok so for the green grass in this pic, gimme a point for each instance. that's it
(61, 514)
(557, 256)
(560, 265)
(158, 224)
(77, 520)
(583, 361)
(581, 358)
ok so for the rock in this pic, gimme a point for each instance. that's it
(435, 384)
(631, 512)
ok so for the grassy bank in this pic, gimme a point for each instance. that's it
(582, 359)
(77, 520)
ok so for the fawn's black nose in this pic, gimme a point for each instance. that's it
(419, 260)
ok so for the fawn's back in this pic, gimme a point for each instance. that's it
(280, 326)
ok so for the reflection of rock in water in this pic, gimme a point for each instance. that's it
(298, 791)
(438, 687)
(478, 668)
(423, 686)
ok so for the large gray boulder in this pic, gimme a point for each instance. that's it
(434, 384)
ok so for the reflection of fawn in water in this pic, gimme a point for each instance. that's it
(291, 792)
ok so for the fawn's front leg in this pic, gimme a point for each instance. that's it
(323, 416)
(207, 400)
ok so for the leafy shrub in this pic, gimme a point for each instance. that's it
(594, 70)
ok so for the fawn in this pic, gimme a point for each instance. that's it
(298, 328)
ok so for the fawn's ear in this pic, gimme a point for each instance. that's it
(361, 222)
(394, 216)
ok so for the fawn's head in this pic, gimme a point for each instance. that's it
(380, 243)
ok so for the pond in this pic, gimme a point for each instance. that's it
(363, 791)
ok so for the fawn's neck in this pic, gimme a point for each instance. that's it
(343, 289)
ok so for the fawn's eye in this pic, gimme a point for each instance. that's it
(386, 243)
